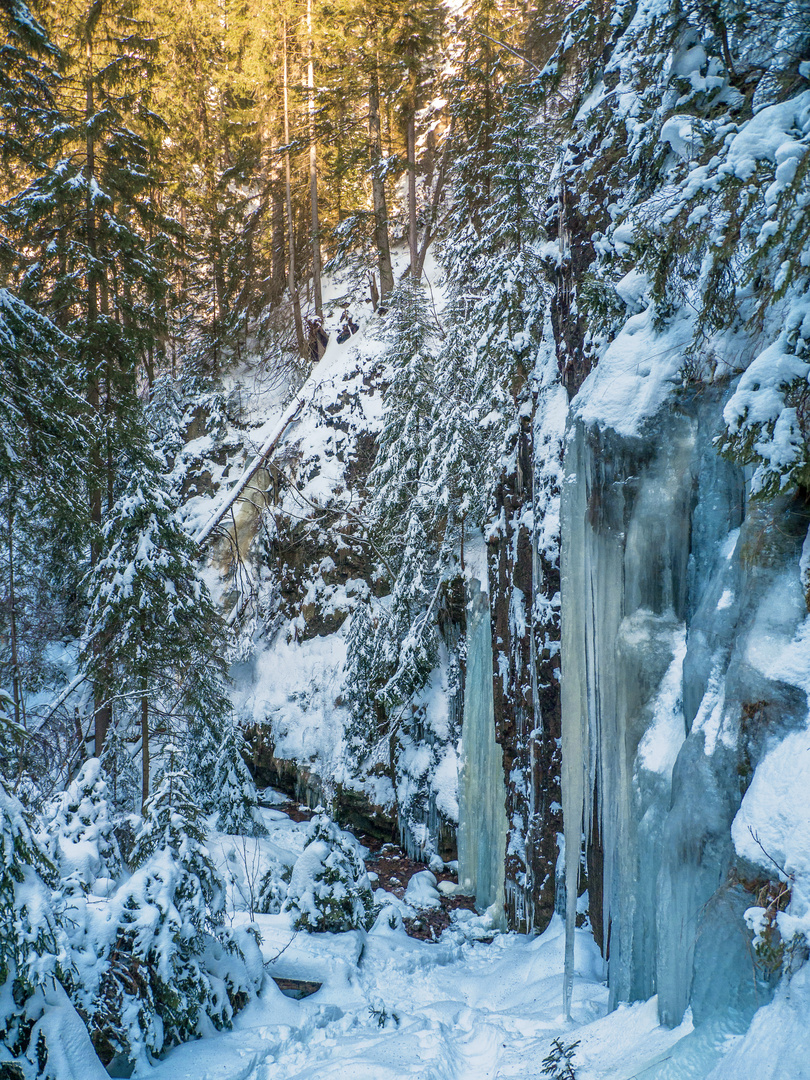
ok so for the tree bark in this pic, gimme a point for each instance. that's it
(12, 601)
(378, 187)
(296, 302)
(411, 139)
(434, 205)
(277, 272)
(313, 171)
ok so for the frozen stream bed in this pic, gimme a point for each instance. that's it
(475, 1005)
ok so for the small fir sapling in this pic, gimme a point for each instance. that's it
(273, 887)
(558, 1064)
(203, 746)
(173, 972)
(329, 889)
(79, 832)
(32, 949)
(123, 778)
(172, 823)
(235, 792)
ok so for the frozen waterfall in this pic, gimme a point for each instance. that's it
(644, 565)
(482, 793)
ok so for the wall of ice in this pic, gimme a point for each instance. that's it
(670, 582)
(482, 793)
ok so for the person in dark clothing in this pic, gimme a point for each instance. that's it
(318, 339)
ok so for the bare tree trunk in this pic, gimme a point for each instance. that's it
(378, 187)
(277, 271)
(313, 171)
(434, 205)
(296, 303)
(12, 601)
(101, 709)
(144, 747)
(411, 134)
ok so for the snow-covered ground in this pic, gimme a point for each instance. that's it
(475, 1005)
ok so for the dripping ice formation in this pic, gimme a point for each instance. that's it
(671, 584)
(482, 794)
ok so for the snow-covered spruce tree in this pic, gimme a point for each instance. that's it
(492, 254)
(408, 404)
(235, 795)
(82, 224)
(709, 165)
(273, 887)
(172, 972)
(329, 889)
(454, 475)
(206, 735)
(367, 718)
(40, 414)
(32, 955)
(406, 636)
(390, 657)
(154, 639)
(78, 830)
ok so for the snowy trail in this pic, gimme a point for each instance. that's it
(484, 1011)
(475, 1005)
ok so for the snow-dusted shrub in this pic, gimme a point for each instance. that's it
(329, 889)
(79, 833)
(171, 972)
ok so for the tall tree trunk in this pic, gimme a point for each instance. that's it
(296, 302)
(313, 170)
(277, 269)
(411, 133)
(434, 203)
(101, 708)
(144, 747)
(12, 602)
(378, 187)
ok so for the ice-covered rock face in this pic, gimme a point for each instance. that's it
(668, 586)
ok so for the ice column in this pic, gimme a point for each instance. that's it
(482, 793)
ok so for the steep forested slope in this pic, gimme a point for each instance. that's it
(407, 402)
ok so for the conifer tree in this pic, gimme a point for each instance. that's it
(329, 889)
(364, 727)
(124, 784)
(235, 795)
(406, 645)
(203, 745)
(408, 404)
(82, 224)
(154, 638)
(171, 963)
(79, 831)
(31, 948)
(172, 824)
